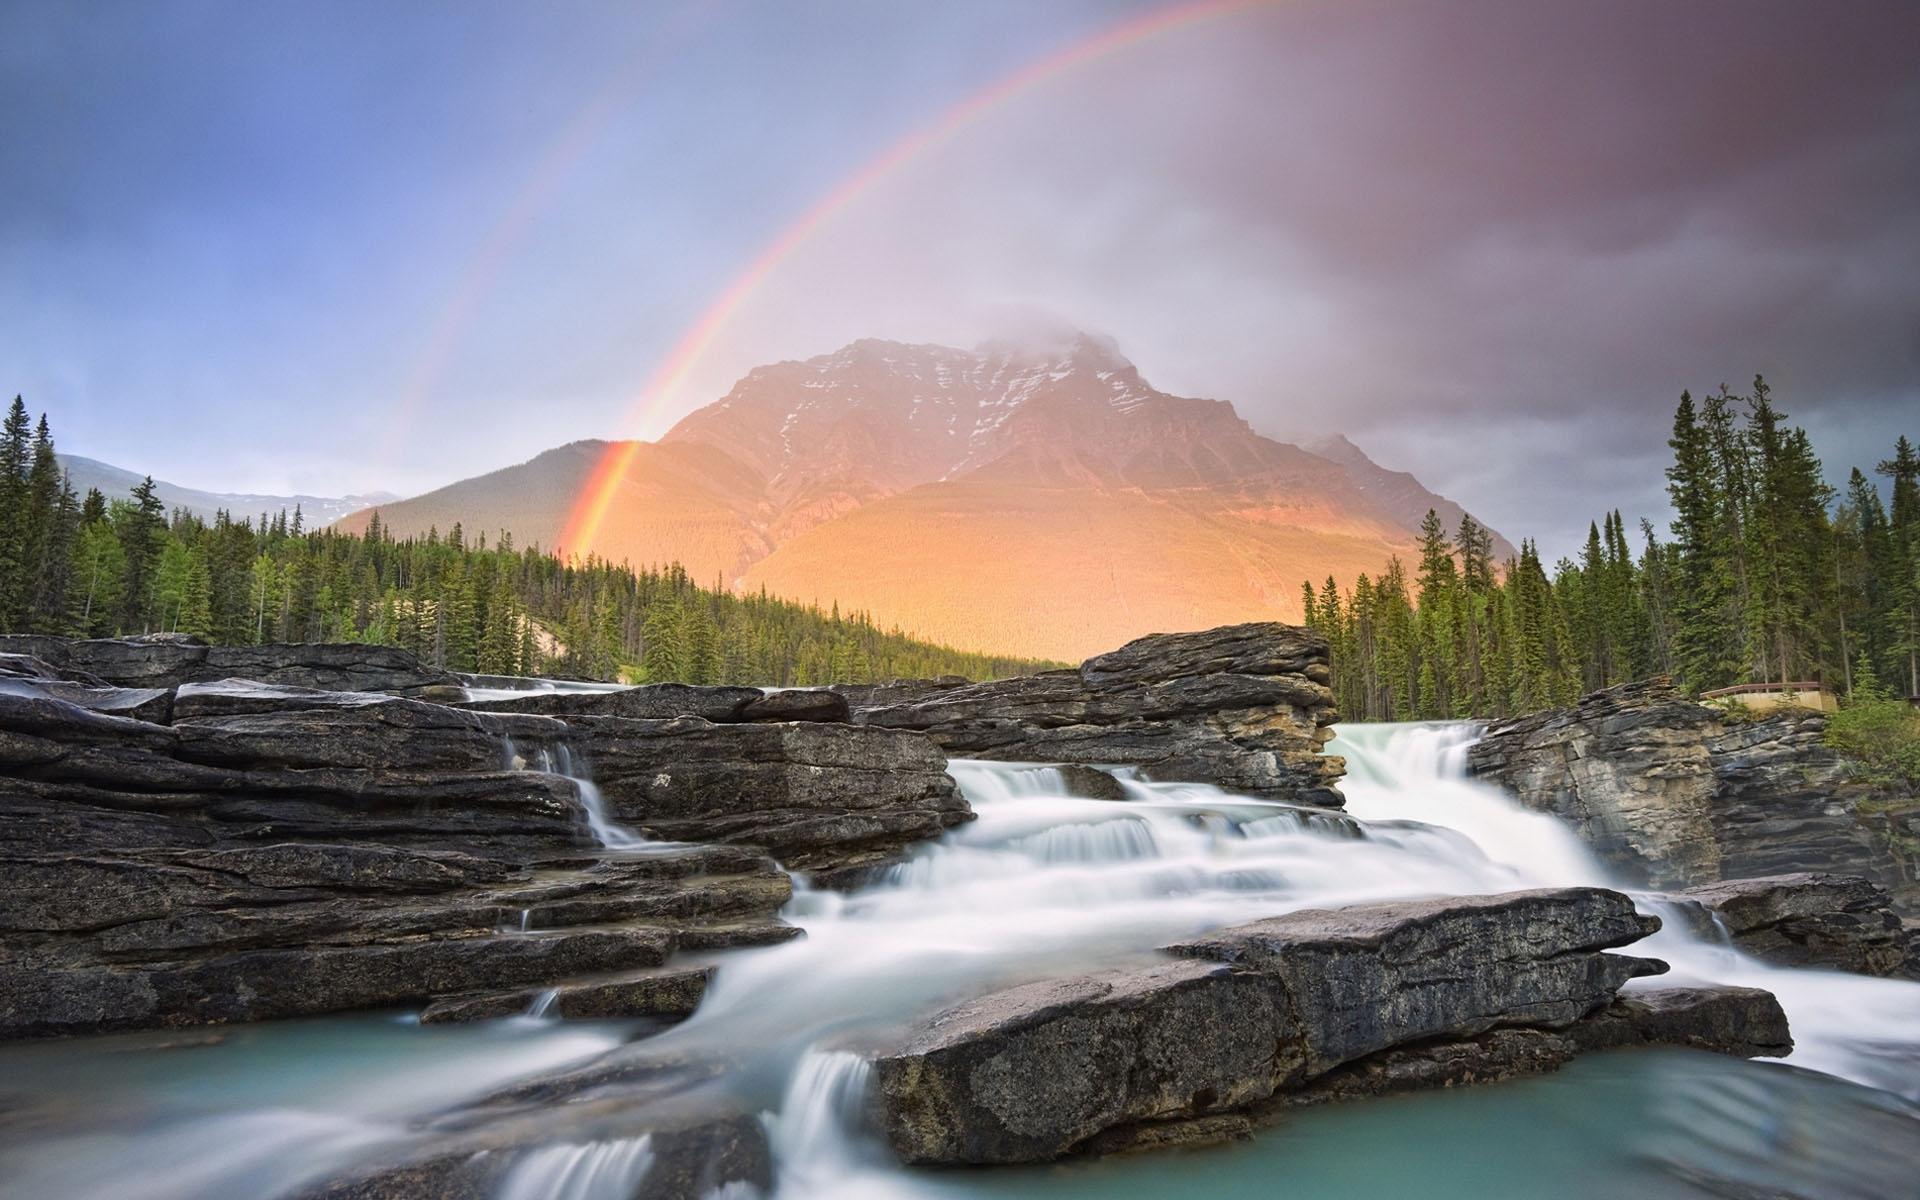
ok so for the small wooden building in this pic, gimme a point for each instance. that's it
(1765, 697)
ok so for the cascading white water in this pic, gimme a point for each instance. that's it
(560, 760)
(595, 1171)
(1858, 1028)
(1047, 884)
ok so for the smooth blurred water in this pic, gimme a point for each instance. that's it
(1047, 884)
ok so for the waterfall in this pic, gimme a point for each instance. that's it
(1852, 1026)
(1044, 884)
(561, 760)
(596, 1171)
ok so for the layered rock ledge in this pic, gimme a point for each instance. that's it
(1676, 794)
(1245, 707)
(1812, 919)
(1315, 1005)
(212, 849)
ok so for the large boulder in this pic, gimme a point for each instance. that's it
(1812, 919)
(1246, 707)
(1039, 1071)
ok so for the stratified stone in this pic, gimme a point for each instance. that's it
(1628, 768)
(1038, 1071)
(1678, 794)
(1245, 707)
(799, 704)
(1812, 919)
(169, 660)
(653, 701)
(816, 796)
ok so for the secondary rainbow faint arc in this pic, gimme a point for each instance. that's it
(477, 280)
(591, 506)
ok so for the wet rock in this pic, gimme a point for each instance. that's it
(1090, 783)
(1035, 1072)
(154, 705)
(368, 852)
(691, 1149)
(816, 796)
(653, 701)
(1371, 976)
(1745, 1022)
(799, 704)
(382, 734)
(670, 992)
(1627, 767)
(1027, 1074)
(1245, 707)
(1812, 919)
(29, 668)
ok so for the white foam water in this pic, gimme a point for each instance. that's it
(1047, 884)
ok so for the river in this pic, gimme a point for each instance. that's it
(1043, 884)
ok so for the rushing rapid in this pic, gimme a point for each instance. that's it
(1043, 883)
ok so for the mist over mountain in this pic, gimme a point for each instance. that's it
(1037, 497)
(116, 482)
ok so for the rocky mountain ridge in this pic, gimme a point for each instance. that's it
(947, 490)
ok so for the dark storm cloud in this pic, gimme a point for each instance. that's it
(1490, 241)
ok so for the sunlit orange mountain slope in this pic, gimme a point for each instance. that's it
(1045, 502)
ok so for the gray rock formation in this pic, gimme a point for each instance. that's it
(169, 660)
(1675, 794)
(1812, 919)
(1260, 1011)
(1246, 707)
(820, 797)
(1627, 767)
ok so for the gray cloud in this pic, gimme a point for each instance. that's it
(1489, 241)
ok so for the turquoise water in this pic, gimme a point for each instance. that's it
(1041, 884)
(1637, 1124)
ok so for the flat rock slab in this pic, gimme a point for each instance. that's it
(1035, 1072)
(669, 992)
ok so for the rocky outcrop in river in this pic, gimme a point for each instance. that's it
(1811, 919)
(184, 850)
(1678, 794)
(1262, 1015)
(209, 834)
(1245, 707)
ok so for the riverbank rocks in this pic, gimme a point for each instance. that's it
(370, 851)
(1678, 794)
(1812, 919)
(1245, 707)
(1247, 1014)
(169, 660)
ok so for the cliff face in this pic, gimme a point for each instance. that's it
(1675, 794)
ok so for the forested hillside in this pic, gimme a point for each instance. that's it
(90, 567)
(1767, 574)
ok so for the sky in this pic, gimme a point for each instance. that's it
(345, 247)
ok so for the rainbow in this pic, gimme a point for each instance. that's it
(597, 494)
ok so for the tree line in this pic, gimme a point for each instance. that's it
(98, 567)
(1767, 574)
